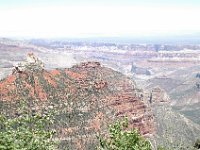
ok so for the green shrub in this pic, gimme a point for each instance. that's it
(26, 131)
(120, 139)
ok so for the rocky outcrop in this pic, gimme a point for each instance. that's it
(87, 97)
(139, 71)
(32, 63)
(88, 65)
(158, 95)
(137, 112)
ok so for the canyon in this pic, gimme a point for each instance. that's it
(93, 85)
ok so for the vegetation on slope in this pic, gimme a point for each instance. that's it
(27, 131)
(86, 98)
(120, 139)
(30, 130)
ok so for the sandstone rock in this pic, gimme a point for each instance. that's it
(88, 97)
(158, 95)
(32, 63)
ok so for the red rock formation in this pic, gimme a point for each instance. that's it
(88, 65)
(139, 115)
(88, 96)
(101, 84)
(6, 86)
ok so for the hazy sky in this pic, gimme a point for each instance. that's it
(79, 18)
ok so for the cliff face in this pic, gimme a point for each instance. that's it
(173, 128)
(88, 97)
(159, 95)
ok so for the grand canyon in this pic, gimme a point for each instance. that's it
(90, 85)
